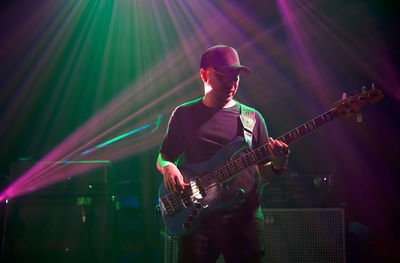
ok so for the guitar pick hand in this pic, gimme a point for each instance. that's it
(173, 178)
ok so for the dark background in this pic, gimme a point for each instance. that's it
(63, 63)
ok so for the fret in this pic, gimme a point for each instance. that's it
(252, 157)
(302, 130)
(327, 116)
(243, 162)
(236, 166)
(224, 174)
(227, 170)
(294, 135)
(310, 125)
(256, 156)
(247, 160)
(264, 150)
(232, 168)
(288, 138)
(319, 121)
(240, 164)
(217, 174)
(221, 175)
(259, 153)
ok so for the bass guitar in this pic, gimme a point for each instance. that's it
(209, 181)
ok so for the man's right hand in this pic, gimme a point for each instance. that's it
(173, 178)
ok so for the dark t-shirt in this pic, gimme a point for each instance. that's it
(196, 133)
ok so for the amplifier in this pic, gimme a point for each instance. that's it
(60, 229)
(308, 235)
(298, 191)
(73, 220)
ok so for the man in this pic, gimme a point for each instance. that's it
(197, 131)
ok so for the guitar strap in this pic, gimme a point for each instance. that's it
(247, 116)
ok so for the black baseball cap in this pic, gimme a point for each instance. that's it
(222, 58)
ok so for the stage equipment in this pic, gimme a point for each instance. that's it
(304, 235)
(293, 190)
(74, 220)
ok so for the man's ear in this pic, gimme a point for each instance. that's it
(203, 75)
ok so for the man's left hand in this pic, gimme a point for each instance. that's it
(280, 154)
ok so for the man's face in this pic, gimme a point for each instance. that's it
(223, 84)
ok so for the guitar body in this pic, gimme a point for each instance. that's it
(181, 213)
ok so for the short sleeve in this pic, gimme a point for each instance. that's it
(172, 146)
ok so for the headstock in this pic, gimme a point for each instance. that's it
(348, 106)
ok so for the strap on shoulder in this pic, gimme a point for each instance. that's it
(247, 116)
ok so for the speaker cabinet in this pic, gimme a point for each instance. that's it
(295, 235)
(69, 226)
(308, 235)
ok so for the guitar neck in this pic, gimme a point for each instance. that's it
(261, 154)
(307, 127)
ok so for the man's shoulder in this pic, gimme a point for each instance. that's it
(189, 105)
(244, 107)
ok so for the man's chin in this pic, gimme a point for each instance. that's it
(226, 98)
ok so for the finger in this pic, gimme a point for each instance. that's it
(179, 181)
(178, 186)
(172, 184)
(284, 147)
(272, 144)
(169, 186)
(277, 147)
(278, 143)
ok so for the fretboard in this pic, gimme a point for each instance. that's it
(261, 154)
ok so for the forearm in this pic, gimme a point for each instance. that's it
(162, 163)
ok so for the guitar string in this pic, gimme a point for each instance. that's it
(225, 170)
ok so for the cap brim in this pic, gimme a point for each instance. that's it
(231, 68)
